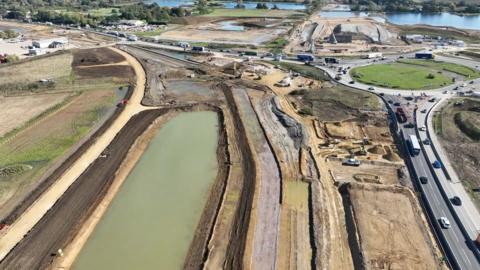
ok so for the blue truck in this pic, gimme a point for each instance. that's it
(305, 57)
(424, 55)
(198, 49)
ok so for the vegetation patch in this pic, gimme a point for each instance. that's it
(469, 123)
(331, 104)
(304, 70)
(451, 67)
(401, 76)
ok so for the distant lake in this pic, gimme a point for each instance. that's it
(436, 19)
(407, 18)
(232, 4)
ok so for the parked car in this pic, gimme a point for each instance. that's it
(396, 103)
(436, 164)
(390, 101)
(456, 200)
(423, 180)
(444, 222)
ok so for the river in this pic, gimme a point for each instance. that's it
(152, 220)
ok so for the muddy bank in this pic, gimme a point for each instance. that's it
(238, 237)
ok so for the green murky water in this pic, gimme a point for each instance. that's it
(151, 221)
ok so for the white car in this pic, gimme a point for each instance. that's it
(444, 222)
(422, 128)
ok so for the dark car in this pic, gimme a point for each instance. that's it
(424, 111)
(382, 94)
(456, 200)
(396, 103)
(351, 82)
(409, 125)
(426, 142)
(436, 164)
(390, 101)
(423, 180)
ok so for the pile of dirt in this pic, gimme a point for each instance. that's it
(391, 155)
(376, 149)
(104, 71)
(98, 56)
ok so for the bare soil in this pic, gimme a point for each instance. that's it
(98, 56)
(387, 229)
(16, 111)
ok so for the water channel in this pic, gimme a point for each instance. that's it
(152, 219)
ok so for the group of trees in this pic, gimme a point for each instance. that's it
(151, 13)
(64, 18)
(410, 5)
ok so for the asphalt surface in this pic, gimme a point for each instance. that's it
(453, 240)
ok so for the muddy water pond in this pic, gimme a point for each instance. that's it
(152, 219)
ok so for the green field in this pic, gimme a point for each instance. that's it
(222, 12)
(401, 76)
(458, 69)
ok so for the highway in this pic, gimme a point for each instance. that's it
(454, 242)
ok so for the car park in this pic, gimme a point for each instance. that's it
(444, 222)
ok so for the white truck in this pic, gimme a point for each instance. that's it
(373, 55)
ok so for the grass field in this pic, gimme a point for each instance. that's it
(222, 12)
(451, 67)
(45, 132)
(401, 76)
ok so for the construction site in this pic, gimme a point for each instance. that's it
(347, 36)
(303, 177)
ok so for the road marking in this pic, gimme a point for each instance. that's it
(466, 257)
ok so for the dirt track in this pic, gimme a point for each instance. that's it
(56, 228)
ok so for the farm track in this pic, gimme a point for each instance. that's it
(60, 223)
